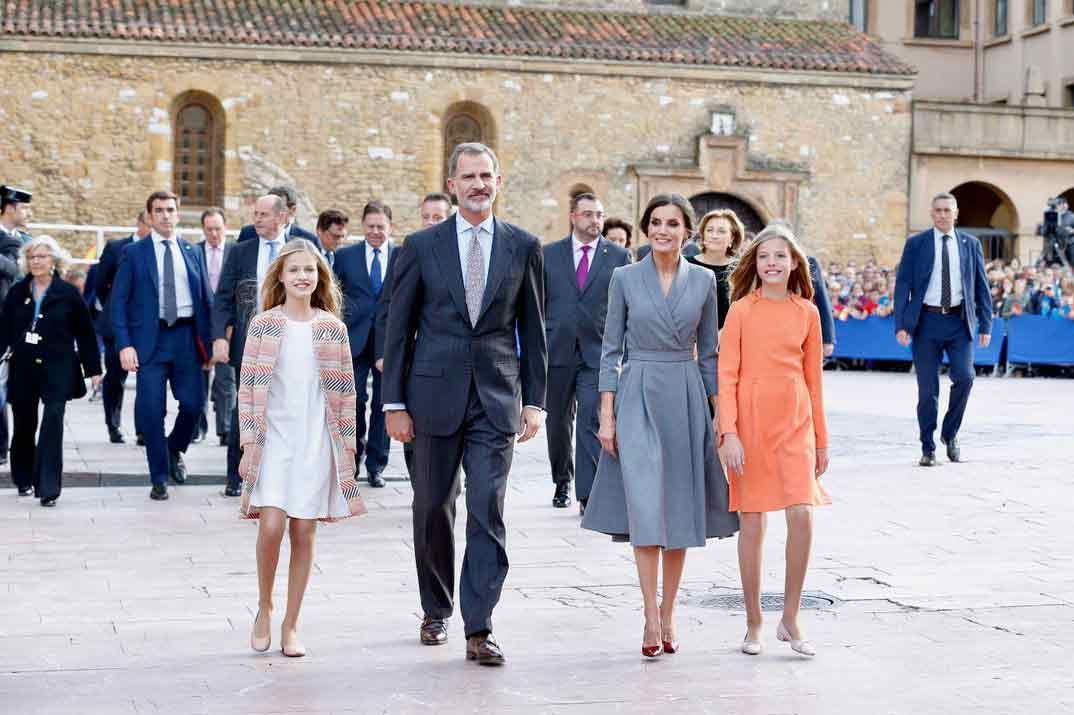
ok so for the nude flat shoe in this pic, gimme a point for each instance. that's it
(260, 644)
(802, 647)
(751, 647)
(293, 650)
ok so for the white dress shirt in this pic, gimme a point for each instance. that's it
(184, 301)
(382, 258)
(464, 233)
(578, 250)
(933, 291)
(263, 253)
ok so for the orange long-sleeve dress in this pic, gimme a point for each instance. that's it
(771, 395)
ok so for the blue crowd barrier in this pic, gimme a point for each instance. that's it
(874, 339)
(1034, 340)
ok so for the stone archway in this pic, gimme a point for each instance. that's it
(712, 200)
(987, 212)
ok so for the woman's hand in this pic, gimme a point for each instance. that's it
(606, 435)
(244, 463)
(732, 453)
(822, 461)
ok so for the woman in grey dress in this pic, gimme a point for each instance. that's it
(661, 486)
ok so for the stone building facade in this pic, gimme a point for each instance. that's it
(94, 126)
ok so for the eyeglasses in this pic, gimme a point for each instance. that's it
(40, 257)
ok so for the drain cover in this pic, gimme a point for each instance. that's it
(769, 601)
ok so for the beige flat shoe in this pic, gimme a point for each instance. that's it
(802, 647)
(750, 647)
(292, 650)
(260, 644)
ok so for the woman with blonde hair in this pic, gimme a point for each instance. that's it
(297, 427)
(721, 233)
(773, 434)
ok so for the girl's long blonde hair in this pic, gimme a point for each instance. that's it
(744, 280)
(326, 295)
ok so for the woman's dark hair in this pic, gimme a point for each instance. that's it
(611, 223)
(677, 200)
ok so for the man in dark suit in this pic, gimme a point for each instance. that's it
(115, 377)
(941, 300)
(14, 215)
(221, 384)
(824, 306)
(462, 389)
(291, 227)
(434, 208)
(332, 232)
(360, 270)
(236, 301)
(577, 271)
(160, 307)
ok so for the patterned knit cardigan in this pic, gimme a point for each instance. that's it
(332, 352)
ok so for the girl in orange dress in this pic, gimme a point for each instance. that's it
(774, 439)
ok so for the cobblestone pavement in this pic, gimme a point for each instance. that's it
(944, 590)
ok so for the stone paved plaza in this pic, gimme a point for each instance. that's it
(945, 590)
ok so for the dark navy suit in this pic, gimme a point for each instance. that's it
(115, 377)
(935, 333)
(574, 323)
(823, 302)
(165, 354)
(360, 300)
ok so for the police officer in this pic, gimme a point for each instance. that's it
(14, 213)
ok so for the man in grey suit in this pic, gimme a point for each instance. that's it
(577, 271)
(216, 250)
(462, 389)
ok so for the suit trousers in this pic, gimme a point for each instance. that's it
(4, 439)
(112, 386)
(935, 335)
(234, 452)
(373, 435)
(485, 455)
(175, 362)
(573, 410)
(219, 383)
(37, 459)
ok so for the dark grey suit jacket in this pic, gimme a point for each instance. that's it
(228, 245)
(574, 319)
(236, 297)
(432, 375)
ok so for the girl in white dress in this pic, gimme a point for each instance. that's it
(296, 407)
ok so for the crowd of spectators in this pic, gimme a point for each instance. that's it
(1017, 289)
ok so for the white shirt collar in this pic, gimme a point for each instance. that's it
(938, 234)
(577, 245)
(279, 238)
(157, 238)
(462, 225)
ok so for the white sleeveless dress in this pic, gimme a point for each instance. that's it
(297, 467)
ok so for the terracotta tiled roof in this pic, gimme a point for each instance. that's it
(677, 38)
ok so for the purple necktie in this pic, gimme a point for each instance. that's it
(582, 271)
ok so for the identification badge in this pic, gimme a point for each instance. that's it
(33, 338)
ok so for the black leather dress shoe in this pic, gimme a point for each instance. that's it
(223, 440)
(485, 650)
(25, 491)
(954, 454)
(159, 492)
(116, 437)
(177, 467)
(139, 440)
(928, 459)
(581, 506)
(232, 491)
(433, 631)
(3, 459)
(562, 498)
(51, 501)
(375, 480)
(198, 437)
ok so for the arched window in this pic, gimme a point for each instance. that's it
(710, 201)
(465, 122)
(198, 166)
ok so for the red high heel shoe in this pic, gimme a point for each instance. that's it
(652, 651)
(671, 646)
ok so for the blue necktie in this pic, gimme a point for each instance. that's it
(272, 249)
(374, 272)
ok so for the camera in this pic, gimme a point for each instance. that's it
(1057, 231)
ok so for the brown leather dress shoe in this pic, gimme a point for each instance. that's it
(433, 631)
(485, 650)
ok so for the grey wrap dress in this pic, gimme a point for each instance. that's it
(667, 487)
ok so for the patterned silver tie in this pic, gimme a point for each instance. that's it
(475, 278)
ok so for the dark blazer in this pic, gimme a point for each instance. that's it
(247, 232)
(135, 303)
(573, 318)
(915, 270)
(107, 267)
(200, 246)
(823, 303)
(9, 263)
(432, 375)
(359, 300)
(64, 323)
(236, 299)
(383, 305)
